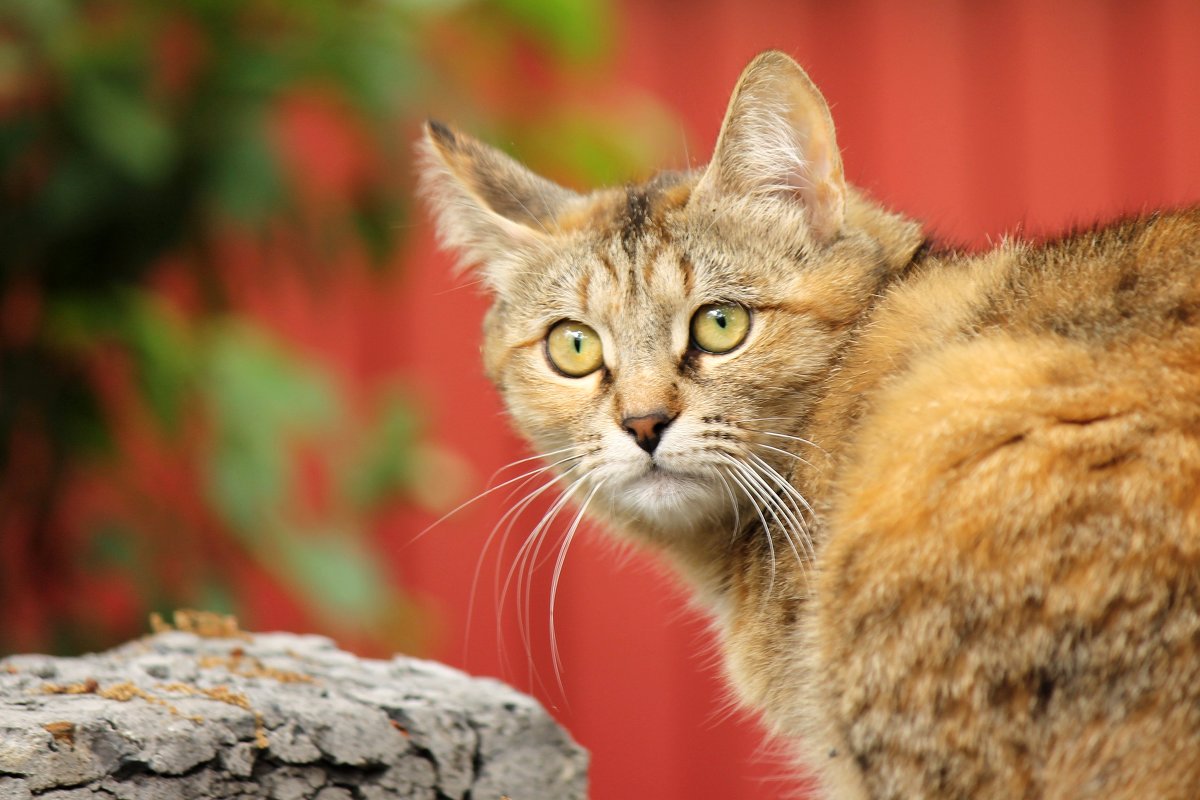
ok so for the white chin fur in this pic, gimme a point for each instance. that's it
(669, 500)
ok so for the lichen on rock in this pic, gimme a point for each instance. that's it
(183, 715)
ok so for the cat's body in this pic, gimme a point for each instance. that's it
(944, 508)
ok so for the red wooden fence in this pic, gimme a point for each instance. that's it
(979, 117)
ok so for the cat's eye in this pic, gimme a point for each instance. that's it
(574, 349)
(720, 327)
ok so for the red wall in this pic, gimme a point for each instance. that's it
(980, 118)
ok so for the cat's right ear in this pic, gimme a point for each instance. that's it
(777, 142)
(488, 207)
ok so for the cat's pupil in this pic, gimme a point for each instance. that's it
(720, 318)
(577, 338)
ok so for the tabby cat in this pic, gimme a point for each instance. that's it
(943, 507)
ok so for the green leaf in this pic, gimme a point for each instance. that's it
(40, 16)
(257, 384)
(596, 149)
(246, 476)
(576, 29)
(165, 358)
(245, 180)
(441, 6)
(337, 573)
(216, 596)
(112, 546)
(76, 194)
(119, 121)
(260, 397)
(386, 466)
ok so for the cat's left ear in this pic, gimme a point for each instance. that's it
(777, 141)
(487, 205)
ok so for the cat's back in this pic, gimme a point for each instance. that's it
(1013, 563)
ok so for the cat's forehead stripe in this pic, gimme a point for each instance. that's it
(687, 269)
(649, 260)
(606, 262)
(635, 219)
(585, 282)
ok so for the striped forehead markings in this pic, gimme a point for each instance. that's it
(689, 274)
(585, 284)
(634, 219)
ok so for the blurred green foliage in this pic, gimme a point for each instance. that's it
(151, 449)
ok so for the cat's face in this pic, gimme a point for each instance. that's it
(661, 344)
(664, 363)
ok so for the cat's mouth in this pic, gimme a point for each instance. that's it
(657, 472)
(668, 495)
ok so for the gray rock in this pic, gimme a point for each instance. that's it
(271, 716)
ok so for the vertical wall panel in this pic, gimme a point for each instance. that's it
(1138, 102)
(1180, 135)
(920, 90)
(997, 140)
(1067, 118)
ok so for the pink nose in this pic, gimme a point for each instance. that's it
(647, 429)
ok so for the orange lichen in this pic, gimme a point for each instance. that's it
(206, 624)
(223, 694)
(238, 664)
(121, 692)
(83, 687)
(63, 732)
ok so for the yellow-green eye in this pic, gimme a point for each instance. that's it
(720, 327)
(574, 348)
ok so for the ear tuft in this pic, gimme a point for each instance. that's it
(777, 142)
(441, 134)
(488, 207)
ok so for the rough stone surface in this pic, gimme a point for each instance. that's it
(271, 716)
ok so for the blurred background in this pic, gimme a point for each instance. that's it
(235, 373)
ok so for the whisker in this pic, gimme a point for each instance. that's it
(784, 452)
(485, 493)
(535, 457)
(737, 516)
(737, 468)
(800, 439)
(784, 484)
(558, 568)
(513, 512)
(772, 501)
(796, 516)
(498, 593)
(522, 570)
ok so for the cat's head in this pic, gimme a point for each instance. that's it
(664, 342)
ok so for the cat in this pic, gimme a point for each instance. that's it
(943, 507)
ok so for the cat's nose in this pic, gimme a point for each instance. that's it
(647, 429)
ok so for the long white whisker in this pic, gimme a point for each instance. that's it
(575, 448)
(784, 452)
(558, 568)
(786, 503)
(487, 492)
(737, 515)
(522, 569)
(772, 502)
(784, 484)
(733, 474)
(788, 436)
(498, 593)
(512, 512)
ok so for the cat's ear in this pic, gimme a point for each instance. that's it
(487, 205)
(777, 141)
